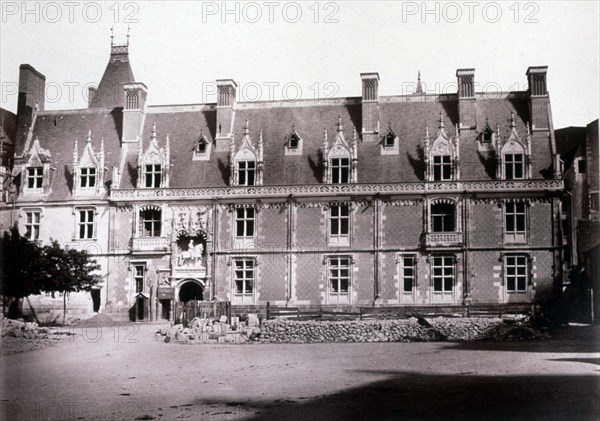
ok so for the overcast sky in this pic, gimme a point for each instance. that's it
(278, 50)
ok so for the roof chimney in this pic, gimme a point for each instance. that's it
(226, 91)
(538, 97)
(370, 107)
(467, 111)
(134, 109)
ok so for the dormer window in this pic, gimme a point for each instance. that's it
(246, 173)
(201, 147)
(443, 155)
(486, 136)
(154, 163)
(341, 161)
(389, 140)
(35, 177)
(246, 166)
(340, 170)
(152, 176)
(87, 177)
(442, 168)
(513, 166)
(294, 141)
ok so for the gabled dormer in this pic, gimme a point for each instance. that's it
(154, 165)
(486, 136)
(442, 155)
(202, 148)
(36, 170)
(390, 144)
(246, 165)
(293, 143)
(514, 154)
(88, 169)
(341, 160)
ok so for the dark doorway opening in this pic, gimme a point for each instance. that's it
(191, 291)
(140, 307)
(165, 312)
(95, 299)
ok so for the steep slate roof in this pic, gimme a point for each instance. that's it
(57, 131)
(407, 116)
(118, 71)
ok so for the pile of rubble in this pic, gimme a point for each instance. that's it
(19, 336)
(403, 330)
(213, 330)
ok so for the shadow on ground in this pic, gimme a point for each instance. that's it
(413, 395)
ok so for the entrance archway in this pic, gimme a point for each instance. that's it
(191, 290)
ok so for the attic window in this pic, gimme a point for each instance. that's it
(201, 146)
(389, 139)
(486, 136)
(35, 177)
(294, 141)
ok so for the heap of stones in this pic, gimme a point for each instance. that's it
(213, 330)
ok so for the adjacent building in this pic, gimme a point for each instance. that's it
(423, 199)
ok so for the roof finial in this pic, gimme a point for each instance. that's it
(153, 137)
(528, 128)
(426, 132)
(441, 121)
(89, 137)
(112, 36)
(419, 89)
(75, 153)
(339, 123)
(247, 128)
(128, 28)
(512, 120)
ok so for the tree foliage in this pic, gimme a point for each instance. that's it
(27, 268)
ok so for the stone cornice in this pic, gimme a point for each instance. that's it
(324, 190)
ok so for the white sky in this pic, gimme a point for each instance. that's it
(178, 49)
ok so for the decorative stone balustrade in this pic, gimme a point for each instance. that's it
(443, 238)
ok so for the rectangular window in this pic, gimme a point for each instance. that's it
(442, 168)
(339, 276)
(442, 217)
(153, 175)
(87, 177)
(516, 273)
(443, 273)
(515, 217)
(138, 277)
(35, 177)
(407, 273)
(201, 147)
(150, 222)
(513, 166)
(32, 225)
(339, 221)
(244, 276)
(244, 222)
(340, 170)
(246, 172)
(85, 223)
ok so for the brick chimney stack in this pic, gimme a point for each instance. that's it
(538, 97)
(467, 111)
(370, 107)
(226, 97)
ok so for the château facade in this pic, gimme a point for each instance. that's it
(422, 199)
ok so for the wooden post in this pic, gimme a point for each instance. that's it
(268, 307)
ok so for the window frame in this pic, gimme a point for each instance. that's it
(513, 165)
(152, 176)
(246, 176)
(248, 264)
(136, 277)
(337, 221)
(246, 221)
(403, 277)
(433, 217)
(438, 168)
(337, 170)
(524, 277)
(85, 225)
(339, 295)
(143, 221)
(31, 233)
(443, 275)
(515, 236)
(88, 179)
(35, 176)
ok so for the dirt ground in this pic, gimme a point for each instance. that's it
(125, 372)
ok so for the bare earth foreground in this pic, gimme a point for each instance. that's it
(127, 373)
